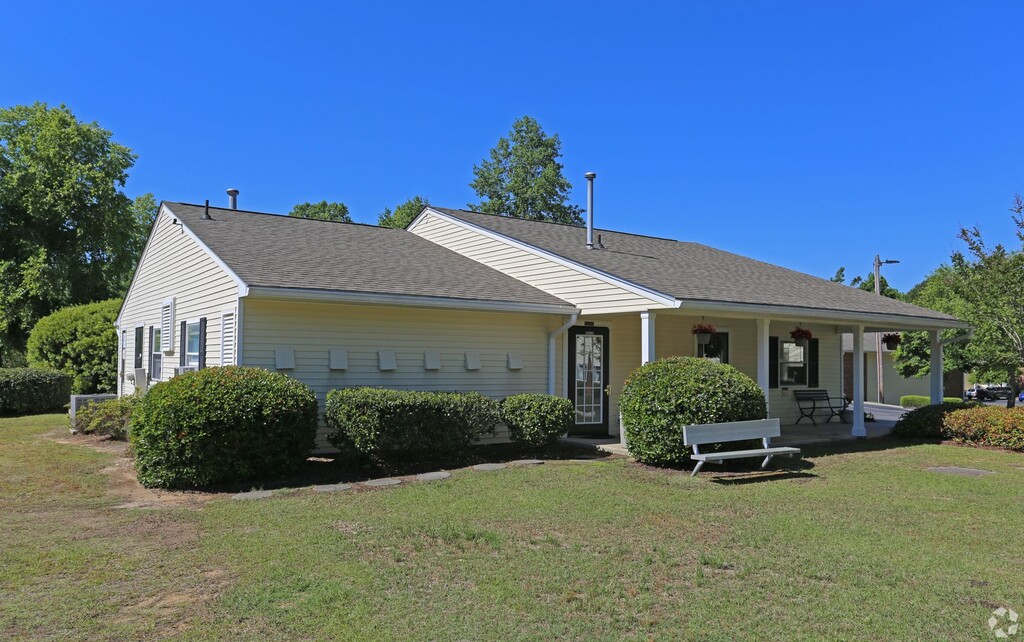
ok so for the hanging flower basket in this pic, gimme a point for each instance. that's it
(801, 336)
(703, 333)
(891, 340)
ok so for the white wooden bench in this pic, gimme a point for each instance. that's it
(763, 429)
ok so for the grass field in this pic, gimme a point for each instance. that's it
(858, 545)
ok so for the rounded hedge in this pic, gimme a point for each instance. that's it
(926, 422)
(80, 341)
(31, 390)
(397, 427)
(661, 397)
(536, 420)
(222, 425)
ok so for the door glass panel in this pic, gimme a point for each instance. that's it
(589, 379)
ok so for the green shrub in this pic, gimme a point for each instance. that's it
(536, 420)
(392, 427)
(919, 401)
(80, 341)
(987, 426)
(661, 397)
(111, 417)
(26, 391)
(926, 422)
(222, 425)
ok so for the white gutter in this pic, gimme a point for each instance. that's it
(551, 349)
(880, 319)
(372, 298)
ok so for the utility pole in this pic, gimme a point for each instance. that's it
(878, 335)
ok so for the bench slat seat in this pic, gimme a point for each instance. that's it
(739, 454)
(763, 429)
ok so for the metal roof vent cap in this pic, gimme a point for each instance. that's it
(233, 198)
(590, 176)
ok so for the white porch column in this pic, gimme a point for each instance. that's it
(858, 382)
(936, 367)
(647, 354)
(763, 377)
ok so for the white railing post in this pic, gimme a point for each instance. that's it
(763, 375)
(936, 367)
(647, 353)
(859, 430)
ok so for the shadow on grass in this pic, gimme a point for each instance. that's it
(336, 469)
(758, 476)
(874, 444)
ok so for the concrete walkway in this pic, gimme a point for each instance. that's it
(803, 434)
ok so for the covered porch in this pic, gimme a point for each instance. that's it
(599, 352)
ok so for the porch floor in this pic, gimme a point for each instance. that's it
(802, 434)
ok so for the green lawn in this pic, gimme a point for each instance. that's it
(860, 545)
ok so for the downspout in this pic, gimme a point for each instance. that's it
(551, 349)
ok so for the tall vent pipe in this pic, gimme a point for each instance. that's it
(590, 209)
(233, 198)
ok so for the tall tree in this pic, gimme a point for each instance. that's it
(70, 234)
(522, 177)
(322, 211)
(403, 214)
(989, 280)
(913, 356)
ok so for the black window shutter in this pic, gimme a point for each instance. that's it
(812, 364)
(138, 347)
(149, 376)
(202, 343)
(182, 358)
(773, 362)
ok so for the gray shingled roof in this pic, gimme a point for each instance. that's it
(693, 272)
(269, 250)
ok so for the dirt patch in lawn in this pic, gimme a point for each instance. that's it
(124, 484)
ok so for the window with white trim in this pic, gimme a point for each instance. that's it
(192, 344)
(716, 349)
(156, 359)
(793, 364)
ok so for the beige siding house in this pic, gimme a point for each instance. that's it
(468, 301)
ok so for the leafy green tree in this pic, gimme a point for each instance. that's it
(80, 341)
(522, 177)
(403, 214)
(322, 211)
(913, 356)
(989, 281)
(70, 234)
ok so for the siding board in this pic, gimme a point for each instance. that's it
(590, 294)
(175, 265)
(313, 329)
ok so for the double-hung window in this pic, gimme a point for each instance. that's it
(717, 349)
(156, 362)
(192, 344)
(793, 364)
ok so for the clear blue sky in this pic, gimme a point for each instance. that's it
(808, 134)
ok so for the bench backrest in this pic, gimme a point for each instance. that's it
(734, 431)
(811, 395)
